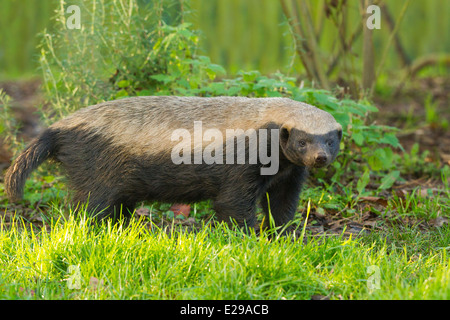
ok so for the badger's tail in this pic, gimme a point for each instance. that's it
(35, 153)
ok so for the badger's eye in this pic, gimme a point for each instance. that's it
(330, 143)
(302, 143)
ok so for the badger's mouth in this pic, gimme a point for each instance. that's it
(319, 165)
(319, 160)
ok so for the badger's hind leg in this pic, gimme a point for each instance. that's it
(242, 214)
(100, 207)
(97, 172)
(236, 205)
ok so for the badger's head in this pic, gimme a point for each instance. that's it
(312, 139)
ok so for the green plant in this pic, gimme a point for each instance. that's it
(416, 163)
(44, 190)
(420, 204)
(432, 117)
(104, 60)
(8, 124)
(171, 66)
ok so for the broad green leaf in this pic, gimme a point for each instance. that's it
(163, 78)
(389, 180)
(363, 181)
(273, 93)
(388, 158)
(145, 93)
(250, 76)
(358, 138)
(123, 83)
(415, 149)
(49, 179)
(376, 161)
(342, 118)
(325, 100)
(391, 139)
(216, 68)
(122, 94)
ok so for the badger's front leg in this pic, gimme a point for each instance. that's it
(236, 204)
(283, 196)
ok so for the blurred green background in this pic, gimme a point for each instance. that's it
(238, 34)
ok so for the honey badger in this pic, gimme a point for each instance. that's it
(119, 153)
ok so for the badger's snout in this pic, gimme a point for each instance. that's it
(320, 160)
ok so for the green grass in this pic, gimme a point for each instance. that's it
(134, 262)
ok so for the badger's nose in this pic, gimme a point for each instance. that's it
(321, 159)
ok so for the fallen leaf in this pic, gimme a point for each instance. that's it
(186, 222)
(445, 157)
(370, 224)
(94, 283)
(319, 297)
(424, 193)
(143, 211)
(316, 229)
(378, 200)
(27, 291)
(183, 209)
(373, 199)
(36, 219)
(438, 222)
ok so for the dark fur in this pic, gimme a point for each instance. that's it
(112, 180)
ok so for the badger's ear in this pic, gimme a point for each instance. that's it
(285, 132)
(339, 132)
